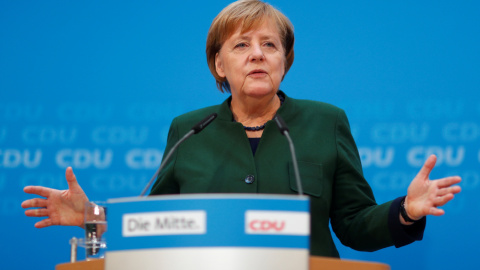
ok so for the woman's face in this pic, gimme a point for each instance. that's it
(253, 62)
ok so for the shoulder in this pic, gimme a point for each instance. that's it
(312, 108)
(315, 115)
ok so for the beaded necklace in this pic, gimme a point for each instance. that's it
(262, 127)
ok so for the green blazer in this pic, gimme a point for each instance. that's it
(219, 159)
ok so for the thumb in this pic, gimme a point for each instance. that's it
(424, 173)
(71, 179)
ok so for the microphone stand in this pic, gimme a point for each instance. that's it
(284, 130)
(167, 157)
(196, 129)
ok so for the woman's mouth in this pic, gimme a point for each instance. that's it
(257, 73)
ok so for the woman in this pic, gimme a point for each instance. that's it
(249, 51)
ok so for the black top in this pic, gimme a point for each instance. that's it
(254, 144)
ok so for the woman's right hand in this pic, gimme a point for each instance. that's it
(60, 207)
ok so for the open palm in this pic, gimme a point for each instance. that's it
(61, 207)
(424, 196)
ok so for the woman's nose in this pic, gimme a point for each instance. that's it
(256, 53)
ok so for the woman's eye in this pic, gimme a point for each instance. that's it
(270, 44)
(241, 45)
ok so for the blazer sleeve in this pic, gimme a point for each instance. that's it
(356, 218)
(165, 183)
(404, 234)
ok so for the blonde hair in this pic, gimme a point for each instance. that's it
(247, 14)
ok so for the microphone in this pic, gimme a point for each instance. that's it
(195, 130)
(204, 123)
(284, 131)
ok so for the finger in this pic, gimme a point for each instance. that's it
(38, 190)
(41, 212)
(448, 181)
(37, 202)
(71, 179)
(43, 223)
(427, 167)
(449, 190)
(441, 201)
(436, 211)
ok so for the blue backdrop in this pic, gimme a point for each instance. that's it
(95, 84)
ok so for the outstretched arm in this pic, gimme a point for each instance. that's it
(424, 196)
(60, 207)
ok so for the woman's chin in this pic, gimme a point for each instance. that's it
(259, 92)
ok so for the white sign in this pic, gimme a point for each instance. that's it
(164, 223)
(277, 222)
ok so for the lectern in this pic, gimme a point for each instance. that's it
(211, 231)
(214, 231)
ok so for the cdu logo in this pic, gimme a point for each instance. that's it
(277, 222)
(14, 158)
(267, 225)
(143, 158)
(84, 158)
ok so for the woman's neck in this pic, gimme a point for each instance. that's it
(252, 111)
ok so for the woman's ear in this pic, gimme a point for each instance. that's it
(219, 66)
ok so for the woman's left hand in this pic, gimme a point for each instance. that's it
(424, 196)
